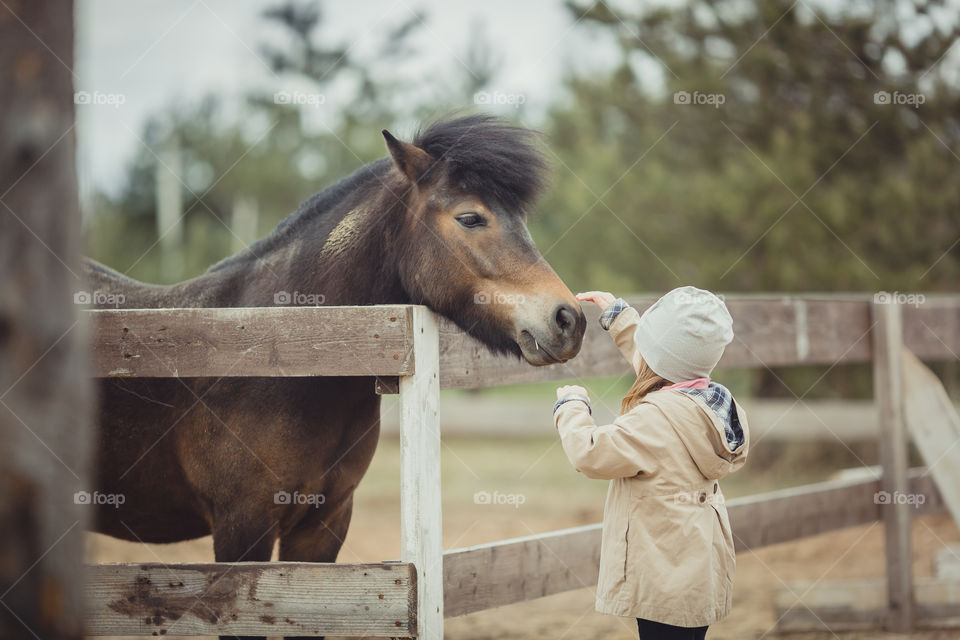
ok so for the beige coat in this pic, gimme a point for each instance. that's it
(667, 550)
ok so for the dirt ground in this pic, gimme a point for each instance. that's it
(555, 497)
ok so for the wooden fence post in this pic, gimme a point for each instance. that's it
(420, 512)
(894, 484)
(46, 402)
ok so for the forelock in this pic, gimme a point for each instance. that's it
(486, 156)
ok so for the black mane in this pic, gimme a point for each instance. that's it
(486, 156)
(481, 154)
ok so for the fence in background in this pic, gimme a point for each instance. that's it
(409, 352)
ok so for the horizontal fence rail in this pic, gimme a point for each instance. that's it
(509, 571)
(252, 598)
(267, 341)
(377, 341)
(769, 331)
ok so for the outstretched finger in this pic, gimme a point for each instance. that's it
(600, 298)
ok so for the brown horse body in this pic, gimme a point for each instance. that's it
(441, 224)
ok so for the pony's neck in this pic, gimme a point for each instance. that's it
(351, 265)
(327, 253)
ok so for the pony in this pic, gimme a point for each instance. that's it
(440, 222)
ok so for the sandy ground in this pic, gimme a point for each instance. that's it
(556, 497)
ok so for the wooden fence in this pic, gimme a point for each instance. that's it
(409, 352)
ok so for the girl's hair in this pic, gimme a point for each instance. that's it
(646, 382)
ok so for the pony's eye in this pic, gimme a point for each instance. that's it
(471, 220)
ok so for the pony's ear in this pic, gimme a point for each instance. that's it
(413, 161)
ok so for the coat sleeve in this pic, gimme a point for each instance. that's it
(623, 329)
(620, 450)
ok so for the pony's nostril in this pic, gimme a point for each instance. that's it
(566, 319)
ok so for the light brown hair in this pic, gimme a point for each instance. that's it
(646, 382)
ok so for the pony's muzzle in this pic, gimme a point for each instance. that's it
(557, 341)
(565, 320)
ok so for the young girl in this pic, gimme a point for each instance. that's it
(667, 555)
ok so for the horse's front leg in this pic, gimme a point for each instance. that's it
(319, 535)
(243, 538)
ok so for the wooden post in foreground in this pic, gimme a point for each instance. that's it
(420, 513)
(45, 393)
(894, 484)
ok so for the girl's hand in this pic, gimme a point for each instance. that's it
(602, 299)
(571, 389)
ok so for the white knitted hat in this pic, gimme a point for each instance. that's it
(682, 336)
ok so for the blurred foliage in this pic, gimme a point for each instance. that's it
(276, 163)
(274, 150)
(813, 173)
(799, 181)
(799, 177)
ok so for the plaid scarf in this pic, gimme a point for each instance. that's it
(720, 400)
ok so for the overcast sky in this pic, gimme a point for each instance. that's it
(134, 58)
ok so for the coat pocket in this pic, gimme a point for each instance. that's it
(613, 559)
(723, 546)
(624, 567)
(639, 566)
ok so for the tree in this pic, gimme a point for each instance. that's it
(809, 165)
(761, 146)
(281, 148)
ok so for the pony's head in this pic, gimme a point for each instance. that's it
(463, 248)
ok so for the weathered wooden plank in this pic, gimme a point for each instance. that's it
(931, 329)
(302, 341)
(520, 569)
(892, 442)
(935, 427)
(797, 330)
(858, 605)
(780, 516)
(491, 575)
(251, 598)
(263, 341)
(421, 519)
(785, 515)
(769, 332)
